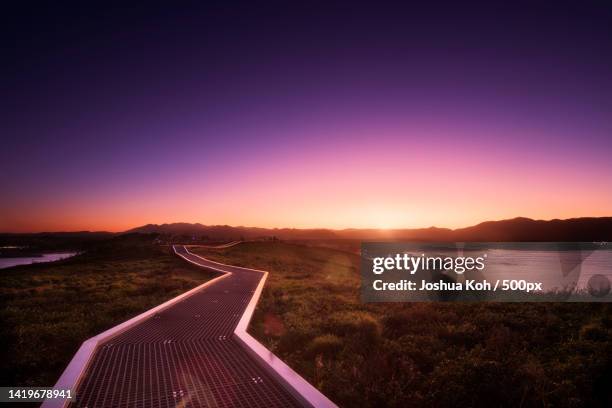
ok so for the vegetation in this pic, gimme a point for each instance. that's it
(423, 354)
(48, 310)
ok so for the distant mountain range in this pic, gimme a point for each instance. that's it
(513, 230)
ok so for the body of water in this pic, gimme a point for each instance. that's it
(559, 268)
(557, 265)
(555, 269)
(26, 260)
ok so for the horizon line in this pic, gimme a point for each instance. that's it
(301, 228)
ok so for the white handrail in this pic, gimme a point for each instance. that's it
(73, 373)
(292, 381)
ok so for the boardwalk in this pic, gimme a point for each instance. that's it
(186, 355)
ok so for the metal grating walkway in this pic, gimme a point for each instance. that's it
(185, 355)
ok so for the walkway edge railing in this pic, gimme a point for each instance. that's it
(73, 373)
(295, 384)
(301, 389)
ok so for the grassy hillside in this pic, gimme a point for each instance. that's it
(485, 354)
(48, 310)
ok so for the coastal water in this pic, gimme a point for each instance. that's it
(555, 269)
(27, 260)
(557, 265)
(574, 271)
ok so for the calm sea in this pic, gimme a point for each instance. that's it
(26, 260)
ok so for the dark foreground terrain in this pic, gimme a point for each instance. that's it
(48, 310)
(484, 354)
(402, 355)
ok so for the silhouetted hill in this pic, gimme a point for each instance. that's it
(409, 234)
(526, 229)
(226, 232)
(517, 229)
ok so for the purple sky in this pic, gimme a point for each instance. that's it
(304, 116)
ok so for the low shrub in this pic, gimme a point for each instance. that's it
(359, 325)
(326, 345)
(593, 331)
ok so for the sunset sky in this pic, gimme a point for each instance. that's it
(329, 116)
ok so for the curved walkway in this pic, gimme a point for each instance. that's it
(192, 351)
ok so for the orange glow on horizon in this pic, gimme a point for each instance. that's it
(366, 188)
